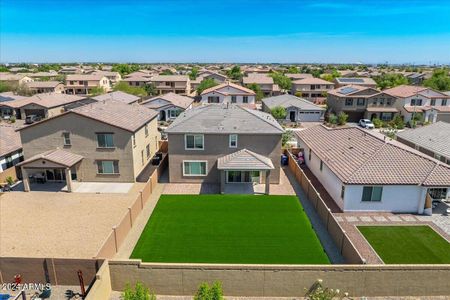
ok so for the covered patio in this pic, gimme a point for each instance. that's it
(244, 171)
(55, 166)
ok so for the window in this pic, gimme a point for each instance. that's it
(444, 102)
(172, 113)
(66, 136)
(372, 193)
(388, 102)
(194, 142)
(213, 99)
(80, 82)
(245, 99)
(321, 165)
(108, 166)
(105, 140)
(310, 154)
(133, 140)
(142, 157)
(348, 102)
(146, 130)
(233, 140)
(233, 99)
(342, 192)
(147, 149)
(416, 102)
(375, 101)
(433, 102)
(194, 168)
(360, 102)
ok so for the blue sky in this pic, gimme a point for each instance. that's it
(225, 31)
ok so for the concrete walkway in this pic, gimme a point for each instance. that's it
(320, 229)
(133, 236)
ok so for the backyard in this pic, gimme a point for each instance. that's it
(407, 244)
(229, 229)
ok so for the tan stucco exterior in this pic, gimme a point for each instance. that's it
(48, 135)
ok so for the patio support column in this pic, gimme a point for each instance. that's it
(267, 189)
(222, 181)
(68, 179)
(26, 180)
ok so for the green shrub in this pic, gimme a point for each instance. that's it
(140, 292)
(398, 122)
(342, 118)
(286, 137)
(319, 292)
(278, 112)
(207, 292)
(12, 119)
(377, 122)
(332, 119)
(10, 180)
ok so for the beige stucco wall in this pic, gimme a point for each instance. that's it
(142, 141)
(49, 135)
(217, 145)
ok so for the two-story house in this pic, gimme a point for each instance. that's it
(169, 106)
(362, 81)
(83, 84)
(264, 81)
(178, 84)
(412, 100)
(360, 102)
(207, 74)
(15, 79)
(363, 172)
(113, 77)
(95, 142)
(226, 144)
(39, 87)
(229, 93)
(312, 89)
(297, 109)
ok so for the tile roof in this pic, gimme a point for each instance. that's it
(404, 91)
(175, 99)
(84, 77)
(47, 100)
(57, 156)
(358, 157)
(355, 80)
(177, 78)
(9, 96)
(115, 113)
(287, 100)
(257, 78)
(435, 137)
(349, 90)
(137, 78)
(226, 85)
(9, 139)
(215, 118)
(297, 76)
(312, 81)
(118, 96)
(244, 160)
(43, 84)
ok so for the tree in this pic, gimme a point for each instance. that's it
(207, 292)
(389, 80)
(125, 69)
(206, 84)
(4, 87)
(126, 88)
(235, 73)
(194, 73)
(286, 137)
(279, 112)
(440, 80)
(257, 89)
(331, 76)
(151, 89)
(166, 72)
(342, 118)
(98, 90)
(283, 81)
(3, 68)
(292, 70)
(48, 67)
(140, 292)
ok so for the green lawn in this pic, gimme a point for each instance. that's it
(407, 244)
(229, 229)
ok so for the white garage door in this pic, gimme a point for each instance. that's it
(309, 116)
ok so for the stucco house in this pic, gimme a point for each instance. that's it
(226, 144)
(363, 172)
(169, 106)
(361, 102)
(264, 81)
(229, 93)
(137, 81)
(118, 96)
(39, 87)
(312, 89)
(15, 79)
(97, 142)
(297, 109)
(357, 81)
(178, 84)
(10, 150)
(84, 83)
(416, 99)
(207, 74)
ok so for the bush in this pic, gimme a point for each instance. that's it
(342, 118)
(377, 122)
(207, 292)
(398, 122)
(286, 137)
(12, 119)
(319, 292)
(278, 112)
(140, 292)
(10, 180)
(332, 119)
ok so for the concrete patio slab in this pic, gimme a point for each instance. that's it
(102, 187)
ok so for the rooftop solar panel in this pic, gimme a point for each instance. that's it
(347, 90)
(350, 80)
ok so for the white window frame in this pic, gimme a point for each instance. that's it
(229, 140)
(109, 160)
(68, 138)
(194, 149)
(174, 111)
(372, 192)
(195, 175)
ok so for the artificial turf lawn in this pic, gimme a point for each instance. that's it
(229, 229)
(407, 244)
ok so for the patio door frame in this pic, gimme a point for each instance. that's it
(243, 176)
